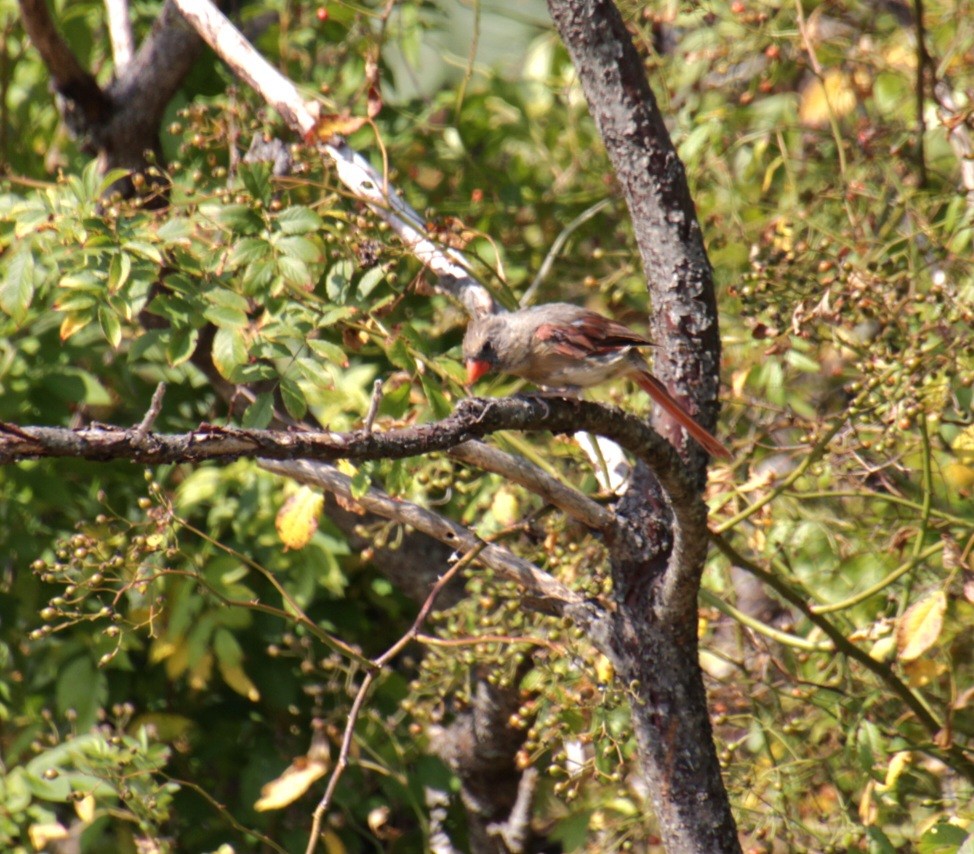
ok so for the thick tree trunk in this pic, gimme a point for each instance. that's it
(658, 558)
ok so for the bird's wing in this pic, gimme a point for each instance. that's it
(589, 334)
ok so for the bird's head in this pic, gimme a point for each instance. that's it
(479, 349)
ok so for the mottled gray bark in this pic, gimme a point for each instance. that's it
(656, 564)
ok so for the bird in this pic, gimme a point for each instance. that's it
(563, 346)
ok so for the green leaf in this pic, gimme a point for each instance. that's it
(82, 687)
(370, 281)
(302, 248)
(226, 648)
(110, 177)
(398, 353)
(181, 344)
(256, 177)
(329, 350)
(247, 250)
(222, 316)
(17, 290)
(334, 315)
(295, 272)
(298, 220)
(337, 281)
(229, 351)
(293, 397)
(143, 250)
(438, 403)
(111, 326)
(361, 481)
(119, 269)
(174, 229)
(258, 415)
(258, 275)
(237, 218)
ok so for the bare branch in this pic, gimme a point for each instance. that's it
(517, 829)
(573, 503)
(70, 79)
(354, 171)
(159, 67)
(473, 418)
(152, 413)
(120, 31)
(555, 595)
(374, 404)
(376, 666)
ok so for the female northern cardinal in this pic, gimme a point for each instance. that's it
(561, 345)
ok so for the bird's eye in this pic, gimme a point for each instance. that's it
(487, 351)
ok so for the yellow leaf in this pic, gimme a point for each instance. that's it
(833, 95)
(85, 809)
(504, 507)
(333, 842)
(963, 446)
(72, 323)
(297, 520)
(868, 812)
(293, 783)
(160, 650)
(234, 676)
(333, 124)
(897, 765)
(199, 674)
(738, 381)
(923, 671)
(958, 476)
(919, 627)
(883, 649)
(604, 671)
(42, 834)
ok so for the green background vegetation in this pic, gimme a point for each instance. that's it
(143, 693)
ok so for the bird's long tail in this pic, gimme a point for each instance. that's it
(657, 391)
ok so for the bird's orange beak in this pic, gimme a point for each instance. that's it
(476, 368)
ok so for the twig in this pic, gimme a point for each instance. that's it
(353, 170)
(557, 596)
(120, 32)
(958, 135)
(580, 507)
(517, 829)
(954, 754)
(373, 406)
(923, 61)
(376, 667)
(152, 413)
(556, 247)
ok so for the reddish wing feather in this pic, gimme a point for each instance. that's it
(588, 335)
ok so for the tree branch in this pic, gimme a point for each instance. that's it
(473, 418)
(70, 79)
(159, 67)
(557, 598)
(120, 31)
(354, 171)
(684, 319)
(570, 501)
